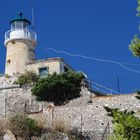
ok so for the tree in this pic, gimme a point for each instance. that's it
(58, 88)
(126, 125)
(134, 47)
(138, 8)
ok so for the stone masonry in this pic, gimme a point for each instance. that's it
(87, 117)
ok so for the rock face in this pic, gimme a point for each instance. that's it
(16, 101)
(7, 82)
(9, 136)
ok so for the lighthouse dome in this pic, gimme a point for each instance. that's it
(20, 18)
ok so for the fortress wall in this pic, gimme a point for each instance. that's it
(87, 117)
(92, 117)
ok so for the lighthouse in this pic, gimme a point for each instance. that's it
(20, 42)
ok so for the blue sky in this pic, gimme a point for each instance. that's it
(95, 28)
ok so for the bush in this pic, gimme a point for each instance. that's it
(27, 78)
(138, 95)
(126, 125)
(58, 88)
(23, 126)
(7, 76)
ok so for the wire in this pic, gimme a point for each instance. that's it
(95, 59)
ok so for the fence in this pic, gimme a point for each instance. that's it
(98, 88)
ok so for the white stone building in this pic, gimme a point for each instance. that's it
(20, 42)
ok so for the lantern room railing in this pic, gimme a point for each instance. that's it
(20, 34)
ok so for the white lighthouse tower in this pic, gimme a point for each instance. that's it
(20, 42)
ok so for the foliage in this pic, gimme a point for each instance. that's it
(138, 8)
(7, 76)
(138, 95)
(135, 46)
(23, 126)
(135, 43)
(58, 88)
(126, 125)
(27, 78)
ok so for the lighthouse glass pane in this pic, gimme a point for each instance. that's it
(19, 25)
(43, 72)
(25, 25)
(13, 25)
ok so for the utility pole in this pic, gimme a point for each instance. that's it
(118, 84)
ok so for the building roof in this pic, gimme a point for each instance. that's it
(50, 60)
(20, 18)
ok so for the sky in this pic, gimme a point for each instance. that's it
(100, 29)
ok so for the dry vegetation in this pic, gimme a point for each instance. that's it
(25, 128)
(60, 125)
(2, 128)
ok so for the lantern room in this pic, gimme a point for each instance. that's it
(20, 29)
(20, 23)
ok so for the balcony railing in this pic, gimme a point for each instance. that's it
(20, 34)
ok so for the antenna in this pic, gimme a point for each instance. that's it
(33, 17)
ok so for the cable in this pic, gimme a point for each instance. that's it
(130, 64)
(95, 59)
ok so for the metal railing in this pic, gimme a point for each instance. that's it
(93, 86)
(25, 34)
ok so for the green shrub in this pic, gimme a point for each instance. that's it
(7, 76)
(138, 95)
(58, 88)
(27, 78)
(126, 125)
(23, 126)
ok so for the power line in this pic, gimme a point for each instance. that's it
(96, 59)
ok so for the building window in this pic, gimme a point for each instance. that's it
(8, 61)
(43, 72)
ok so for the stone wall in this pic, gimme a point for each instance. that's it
(14, 99)
(91, 117)
(7, 82)
(79, 113)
